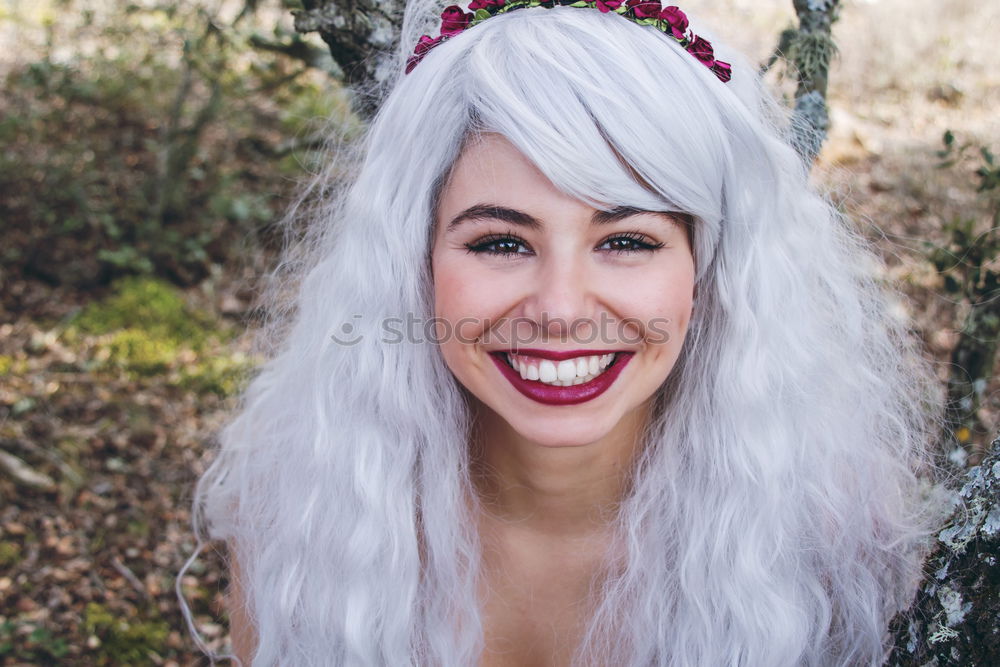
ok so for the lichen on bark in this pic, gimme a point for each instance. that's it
(955, 618)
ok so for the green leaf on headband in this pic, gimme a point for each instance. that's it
(480, 15)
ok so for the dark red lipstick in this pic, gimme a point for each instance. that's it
(553, 395)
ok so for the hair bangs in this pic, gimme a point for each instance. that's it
(561, 86)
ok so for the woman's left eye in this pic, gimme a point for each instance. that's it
(629, 242)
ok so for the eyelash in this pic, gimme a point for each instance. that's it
(482, 245)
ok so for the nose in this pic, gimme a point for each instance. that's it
(562, 297)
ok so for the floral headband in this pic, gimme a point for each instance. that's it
(669, 20)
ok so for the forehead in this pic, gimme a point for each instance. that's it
(491, 164)
(492, 179)
(490, 170)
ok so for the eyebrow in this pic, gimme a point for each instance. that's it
(520, 218)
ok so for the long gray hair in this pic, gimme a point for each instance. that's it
(773, 515)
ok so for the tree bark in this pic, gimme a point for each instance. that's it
(810, 52)
(955, 618)
(360, 35)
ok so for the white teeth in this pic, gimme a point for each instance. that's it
(565, 373)
(547, 371)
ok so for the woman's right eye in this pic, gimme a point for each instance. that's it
(499, 244)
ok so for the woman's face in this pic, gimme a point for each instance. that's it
(561, 319)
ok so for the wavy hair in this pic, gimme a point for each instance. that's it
(773, 515)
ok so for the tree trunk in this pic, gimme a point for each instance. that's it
(955, 619)
(360, 34)
(810, 52)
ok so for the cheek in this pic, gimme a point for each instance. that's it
(678, 300)
(465, 303)
(451, 304)
(663, 303)
(464, 287)
(460, 291)
(448, 283)
(448, 293)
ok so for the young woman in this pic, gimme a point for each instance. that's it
(580, 371)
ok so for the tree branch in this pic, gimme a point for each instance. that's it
(359, 34)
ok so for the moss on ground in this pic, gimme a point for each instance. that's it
(145, 328)
(122, 641)
(10, 554)
(149, 305)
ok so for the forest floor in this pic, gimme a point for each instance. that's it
(110, 394)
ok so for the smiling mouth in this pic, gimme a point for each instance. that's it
(566, 381)
(560, 373)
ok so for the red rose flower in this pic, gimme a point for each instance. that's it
(677, 19)
(454, 20)
(425, 44)
(722, 70)
(701, 49)
(644, 9)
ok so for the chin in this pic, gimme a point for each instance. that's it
(560, 430)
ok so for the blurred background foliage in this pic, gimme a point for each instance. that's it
(148, 150)
(154, 138)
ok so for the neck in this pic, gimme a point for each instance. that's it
(559, 492)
